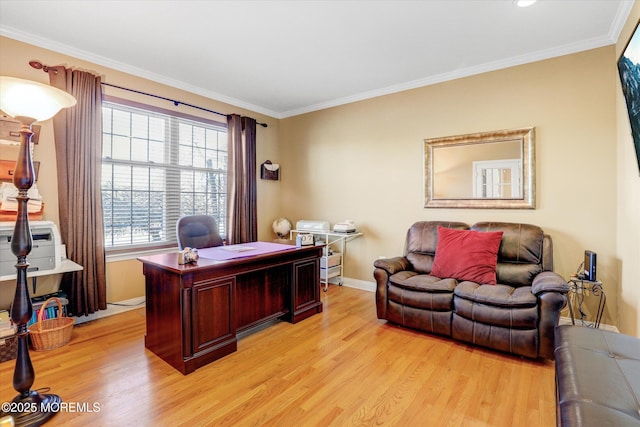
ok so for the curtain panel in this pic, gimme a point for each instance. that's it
(242, 216)
(78, 139)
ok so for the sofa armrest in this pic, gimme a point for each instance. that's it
(384, 268)
(393, 265)
(549, 281)
(549, 305)
(550, 289)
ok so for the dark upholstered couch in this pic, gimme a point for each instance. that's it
(597, 378)
(518, 314)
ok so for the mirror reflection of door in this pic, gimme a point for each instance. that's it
(497, 179)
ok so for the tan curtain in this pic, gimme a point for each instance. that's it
(78, 138)
(242, 222)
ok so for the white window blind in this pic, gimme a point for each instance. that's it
(156, 167)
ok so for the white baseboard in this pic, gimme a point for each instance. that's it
(138, 302)
(359, 284)
(371, 287)
(113, 308)
(567, 321)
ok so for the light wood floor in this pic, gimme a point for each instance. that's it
(340, 368)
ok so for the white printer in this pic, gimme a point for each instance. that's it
(46, 250)
(312, 225)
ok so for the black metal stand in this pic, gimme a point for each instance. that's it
(28, 408)
(577, 289)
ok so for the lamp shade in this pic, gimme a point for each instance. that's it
(25, 98)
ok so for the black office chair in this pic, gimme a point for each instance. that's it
(197, 231)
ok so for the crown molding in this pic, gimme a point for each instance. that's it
(464, 72)
(616, 27)
(622, 14)
(22, 36)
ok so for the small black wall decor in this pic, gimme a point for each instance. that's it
(629, 69)
(270, 171)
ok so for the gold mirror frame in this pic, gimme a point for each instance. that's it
(526, 136)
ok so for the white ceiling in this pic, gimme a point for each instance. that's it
(283, 58)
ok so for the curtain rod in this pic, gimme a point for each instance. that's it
(38, 65)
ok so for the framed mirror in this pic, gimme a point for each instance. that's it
(481, 170)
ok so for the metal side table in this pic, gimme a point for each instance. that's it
(577, 290)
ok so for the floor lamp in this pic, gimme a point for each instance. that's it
(27, 102)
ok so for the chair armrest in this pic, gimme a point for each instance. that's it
(549, 281)
(393, 265)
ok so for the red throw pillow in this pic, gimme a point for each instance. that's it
(467, 255)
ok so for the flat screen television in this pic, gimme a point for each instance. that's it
(629, 69)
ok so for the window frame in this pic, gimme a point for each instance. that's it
(174, 166)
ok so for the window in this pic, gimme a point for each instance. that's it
(497, 179)
(157, 166)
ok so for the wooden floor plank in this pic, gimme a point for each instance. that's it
(342, 367)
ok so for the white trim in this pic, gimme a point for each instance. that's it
(555, 52)
(16, 34)
(371, 287)
(567, 321)
(620, 19)
(359, 284)
(567, 49)
(139, 302)
(135, 254)
(113, 308)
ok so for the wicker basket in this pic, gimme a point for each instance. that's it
(51, 333)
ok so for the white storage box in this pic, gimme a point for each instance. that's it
(331, 260)
(328, 273)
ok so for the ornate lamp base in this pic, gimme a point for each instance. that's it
(33, 410)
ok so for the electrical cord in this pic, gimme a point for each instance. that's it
(579, 269)
(578, 294)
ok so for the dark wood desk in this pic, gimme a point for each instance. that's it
(194, 311)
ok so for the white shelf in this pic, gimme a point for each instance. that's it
(328, 261)
(330, 273)
(335, 261)
(66, 266)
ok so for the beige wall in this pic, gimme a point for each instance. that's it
(628, 212)
(364, 161)
(124, 278)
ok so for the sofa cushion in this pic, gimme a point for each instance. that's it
(498, 295)
(421, 291)
(467, 255)
(505, 317)
(422, 240)
(422, 282)
(428, 301)
(520, 254)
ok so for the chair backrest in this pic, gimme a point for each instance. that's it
(197, 231)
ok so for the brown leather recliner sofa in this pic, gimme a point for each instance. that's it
(518, 314)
